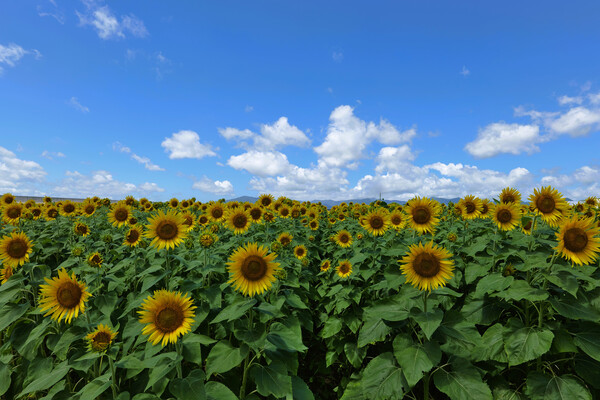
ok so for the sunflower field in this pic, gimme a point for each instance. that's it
(281, 299)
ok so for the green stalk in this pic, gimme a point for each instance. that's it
(425, 297)
(178, 365)
(246, 362)
(114, 377)
(426, 386)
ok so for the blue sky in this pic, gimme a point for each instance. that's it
(312, 100)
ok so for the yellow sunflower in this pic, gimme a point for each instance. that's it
(6, 273)
(81, 229)
(168, 315)
(119, 214)
(344, 269)
(252, 271)
(313, 224)
(47, 199)
(343, 238)
(189, 220)
(284, 211)
(422, 214)
(510, 195)
(203, 220)
(166, 230)
(63, 296)
(7, 199)
(397, 219)
(285, 238)
(207, 239)
(486, 207)
(507, 215)
(325, 265)
(216, 212)
(376, 222)
(528, 227)
(238, 220)
(134, 236)
(12, 213)
(173, 203)
(68, 208)
(591, 201)
(427, 267)
(87, 208)
(36, 212)
(50, 213)
(15, 249)
(95, 260)
(548, 203)
(256, 213)
(577, 241)
(100, 340)
(300, 251)
(471, 207)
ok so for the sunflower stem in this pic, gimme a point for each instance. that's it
(246, 361)
(426, 386)
(178, 365)
(114, 377)
(168, 268)
(425, 297)
(100, 367)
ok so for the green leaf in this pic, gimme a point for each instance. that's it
(563, 342)
(492, 345)
(4, 378)
(190, 387)
(294, 300)
(565, 387)
(223, 357)
(381, 380)
(390, 309)
(572, 308)
(588, 370)
(355, 354)
(47, 380)
(332, 326)
(218, 391)
(95, 388)
(286, 338)
(520, 290)
(11, 312)
(270, 382)
(429, 321)
(565, 280)
(526, 344)
(9, 291)
(374, 330)
(494, 282)
(235, 310)
(300, 390)
(415, 358)
(463, 382)
(481, 311)
(588, 340)
(160, 369)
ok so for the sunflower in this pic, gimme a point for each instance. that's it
(397, 220)
(88, 208)
(203, 220)
(216, 212)
(548, 203)
(166, 230)
(427, 267)
(343, 238)
(528, 227)
(6, 273)
(134, 236)
(591, 201)
(471, 207)
(15, 249)
(36, 212)
(50, 213)
(68, 208)
(325, 265)
(285, 238)
(300, 251)
(100, 339)
(63, 296)
(168, 315)
(506, 215)
(255, 213)
(7, 199)
(510, 195)
(130, 200)
(95, 260)
(486, 207)
(422, 214)
(284, 211)
(12, 213)
(252, 270)
(344, 269)
(47, 199)
(81, 229)
(119, 214)
(207, 239)
(313, 224)
(577, 241)
(268, 216)
(189, 220)
(238, 220)
(376, 222)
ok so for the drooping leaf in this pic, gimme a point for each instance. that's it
(565, 387)
(462, 382)
(189, 388)
(223, 357)
(526, 344)
(415, 358)
(428, 321)
(271, 382)
(373, 330)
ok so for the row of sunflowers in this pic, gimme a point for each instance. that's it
(284, 299)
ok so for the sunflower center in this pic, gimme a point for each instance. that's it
(545, 204)
(36, 212)
(421, 215)
(133, 236)
(344, 238)
(217, 213)
(254, 268)
(396, 220)
(69, 208)
(285, 241)
(484, 208)
(102, 339)
(121, 215)
(470, 207)
(504, 216)
(240, 221)
(265, 201)
(426, 265)
(376, 222)
(81, 229)
(169, 319)
(166, 230)
(527, 226)
(52, 213)
(508, 199)
(17, 248)
(575, 239)
(285, 212)
(96, 259)
(344, 268)
(203, 220)
(13, 213)
(68, 295)
(300, 252)
(188, 220)
(255, 213)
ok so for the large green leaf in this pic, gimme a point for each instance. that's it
(300, 390)
(218, 391)
(235, 310)
(4, 378)
(95, 388)
(526, 344)
(332, 326)
(354, 353)
(47, 380)
(415, 358)
(286, 338)
(374, 330)
(492, 345)
(11, 312)
(428, 321)
(494, 282)
(572, 308)
(271, 382)
(588, 340)
(223, 357)
(588, 369)
(381, 380)
(463, 382)
(189, 388)
(565, 387)
(480, 311)
(160, 369)
(520, 290)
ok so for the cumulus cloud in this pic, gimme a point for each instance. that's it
(186, 144)
(73, 102)
(237, 134)
(12, 53)
(578, 121)
(393, 158)
(261, 163)
(107, 25)
(594, 98)
(500, 137)
(582, 183)
(277, 135)
(16, 175)
(100, 183)
(215, 187)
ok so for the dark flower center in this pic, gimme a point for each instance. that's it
(376, 222)
(133, 236)
(421, 215)
(545, 204)
(13, 212)
(254, 268)
(69, 208)
(121, 215)
(426, 265)
(217, 213)
(169, 319)
(240, 221)
(470, 207)
(166, 230)
(17, 248)
(504, 216)
(575, 239)
(68, 295)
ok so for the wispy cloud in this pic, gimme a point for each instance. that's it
(107, 25)
(465, 71)
(337, 56)
(51, 154)
(249, 109)
(11, 54)
(73, 102)
(145, 161)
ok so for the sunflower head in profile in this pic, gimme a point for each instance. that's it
(81, 229)
(68, 208)
(95, 260)
(189, 220)
(216, 212)
(7, 199)
(527, 227)
(238, 220)
(166, 230)
(471, 207)
(422, 214)
(268, 216)
(376, 222)
(427, 267)
(510, 195)
(256, 213)
(5, 273)
(344, 269)
(397, 219)
(548, 203)
(134, 236)
(506, 216)
(63, 296)
(285, 239)
(486, 208)
(577, 241)
(343, 238)
(15, 249)
(101, 338)
(300, 251)
(252, 270)
(208, 239)
(119, 214)
(12, 213)
(325, 264)
(168, 315)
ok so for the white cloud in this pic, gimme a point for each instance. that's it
(57, 15)
(582, 183)
(348, 136)
(233, 133)
(150, 187)
(249, 109)
(337, 56)
(100, 183)
(11, 54)
(465, 71)
(271, 137)
(393, 158)
(73, 102)
(18, 176)
(500, 137)
(563, 100)
(107, 25)
(186, 144)
(118, 146)
(594, 98)
(216, 187)
(51, 154)
(578, 121)
(268, 163)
